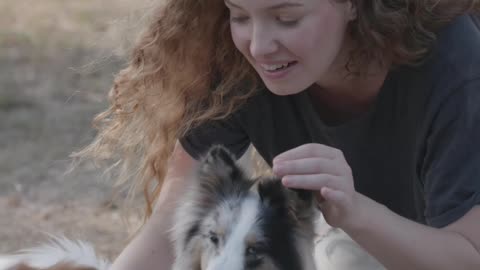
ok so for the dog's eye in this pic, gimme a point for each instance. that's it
(254, 255)
(214, 238)
(254, 252)
(251, 251)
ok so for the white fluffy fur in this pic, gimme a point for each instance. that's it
(232, 256)
(335, 250)
(58, 249)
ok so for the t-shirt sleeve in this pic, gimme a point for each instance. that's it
(227, 132)
(451, 170)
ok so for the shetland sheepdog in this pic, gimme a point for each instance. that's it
(228, 221)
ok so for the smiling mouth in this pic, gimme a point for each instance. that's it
(277, 67)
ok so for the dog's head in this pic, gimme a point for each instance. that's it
(228, 221)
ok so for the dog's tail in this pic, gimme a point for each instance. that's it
(59, 253)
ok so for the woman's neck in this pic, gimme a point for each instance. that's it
(343, 96)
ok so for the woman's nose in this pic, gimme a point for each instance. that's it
(262, 42)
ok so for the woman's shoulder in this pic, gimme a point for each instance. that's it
(453, 62)
(458, 47)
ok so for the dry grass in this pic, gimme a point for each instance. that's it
(49, 93)
(66, 22)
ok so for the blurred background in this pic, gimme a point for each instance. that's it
(57, 62)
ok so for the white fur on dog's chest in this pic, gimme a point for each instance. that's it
(335, 250)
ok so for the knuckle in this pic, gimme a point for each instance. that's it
(329, 180)
(312, 149)
(337, 153)
(348, 169)
(338, 169)
(291, 167)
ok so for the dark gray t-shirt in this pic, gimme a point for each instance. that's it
(417, 150)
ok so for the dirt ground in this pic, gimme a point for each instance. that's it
(57, 60)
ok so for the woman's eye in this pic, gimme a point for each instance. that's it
(239, 19)
(287, 21)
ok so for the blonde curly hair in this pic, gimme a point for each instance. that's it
(185, 70)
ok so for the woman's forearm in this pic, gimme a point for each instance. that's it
(150, 249)
(400, 244)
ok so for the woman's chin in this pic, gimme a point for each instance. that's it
(284, 89)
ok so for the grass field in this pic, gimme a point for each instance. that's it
(57, 61)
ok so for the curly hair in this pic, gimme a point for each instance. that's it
(402, 29)
(185, 70)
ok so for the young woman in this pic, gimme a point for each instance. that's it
(372, 104)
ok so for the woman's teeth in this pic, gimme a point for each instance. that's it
(274, 67)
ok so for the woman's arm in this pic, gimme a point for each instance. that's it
(151, 248)
(396, 242)
(399, 243)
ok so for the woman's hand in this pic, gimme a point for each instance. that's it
(323, 169)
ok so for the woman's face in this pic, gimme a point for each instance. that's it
(291, 43)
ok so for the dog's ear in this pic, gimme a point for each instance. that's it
(296, 203)
(219, 174)
(273, 194)
(302, 203)
(219, 162)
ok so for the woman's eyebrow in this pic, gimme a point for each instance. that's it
(276, 6)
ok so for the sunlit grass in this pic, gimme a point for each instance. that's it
(47, 23)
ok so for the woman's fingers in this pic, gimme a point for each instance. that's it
(313, 181)
(337, 197)
(308, 166)
(308, 151)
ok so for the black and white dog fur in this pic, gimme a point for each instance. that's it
(228, 221)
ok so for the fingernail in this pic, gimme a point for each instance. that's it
(287, 181)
